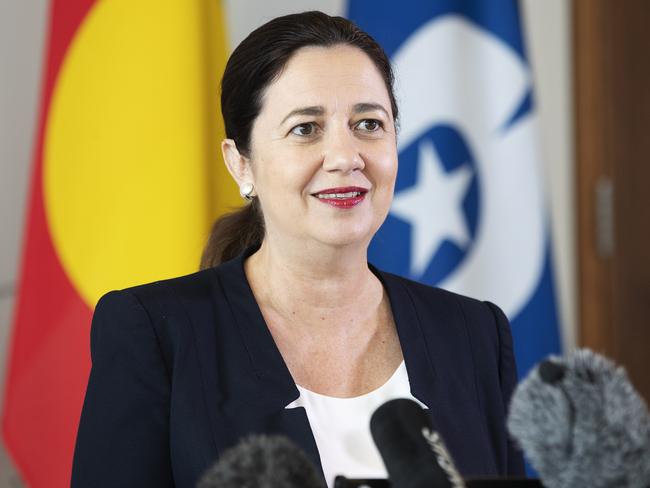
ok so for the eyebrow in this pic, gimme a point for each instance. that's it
(314, 110)
(317, 110)
(369, 107)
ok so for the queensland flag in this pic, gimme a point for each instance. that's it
(469, 208)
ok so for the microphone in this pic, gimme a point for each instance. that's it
(414, 454)
(342, 482)
(581, 423)
(262, 462)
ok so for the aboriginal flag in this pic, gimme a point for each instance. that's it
(126, 181)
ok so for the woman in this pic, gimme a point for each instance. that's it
(287, 330)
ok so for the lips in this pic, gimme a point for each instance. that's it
(342, 197)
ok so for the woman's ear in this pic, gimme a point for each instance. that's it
(237, 164)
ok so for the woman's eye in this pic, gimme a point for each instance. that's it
(369, 125)
(306, 129)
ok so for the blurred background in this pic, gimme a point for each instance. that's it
(110, 175)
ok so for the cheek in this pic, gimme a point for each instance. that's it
(392, 170)
(285, 176)
(385, 167)
(385, 174)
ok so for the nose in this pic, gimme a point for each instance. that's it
(342, 153)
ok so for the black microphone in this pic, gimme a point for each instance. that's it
(262, 462)
(581, 423)
(413, 453)
(342, 482)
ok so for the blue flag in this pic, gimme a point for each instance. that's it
(469, 209)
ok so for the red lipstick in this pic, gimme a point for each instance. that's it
(342, 197)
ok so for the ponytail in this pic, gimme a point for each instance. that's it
(232, 233)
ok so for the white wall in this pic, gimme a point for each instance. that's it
(246, 15)
(22, 33)
(22, 30)
(548, 36)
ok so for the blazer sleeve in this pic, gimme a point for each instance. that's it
(123, 437)
(508, 380)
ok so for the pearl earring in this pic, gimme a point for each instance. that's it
(246, 191)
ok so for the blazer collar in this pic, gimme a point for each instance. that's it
(419, 364)
(268, 366)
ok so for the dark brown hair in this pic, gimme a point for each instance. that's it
(253, 65)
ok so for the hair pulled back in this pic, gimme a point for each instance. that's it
(251, 68)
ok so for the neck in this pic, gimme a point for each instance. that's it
(318, 281)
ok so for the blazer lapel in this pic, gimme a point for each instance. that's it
(440, 364)
(419, 364)
(265, 361)
(255, 393)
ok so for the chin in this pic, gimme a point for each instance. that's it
(344, 236)
(344, 243)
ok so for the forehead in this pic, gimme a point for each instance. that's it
(334, 77)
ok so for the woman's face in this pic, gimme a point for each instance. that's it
(323, 148)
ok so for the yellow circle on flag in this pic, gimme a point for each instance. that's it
(131, 142)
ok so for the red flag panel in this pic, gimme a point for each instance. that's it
(49, 355)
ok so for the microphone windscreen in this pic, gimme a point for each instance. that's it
(262, 462)
(414, 454)
(581, 423)
(551, 372)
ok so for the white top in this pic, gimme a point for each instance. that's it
(341, 427)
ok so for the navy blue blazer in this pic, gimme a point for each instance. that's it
(182, 369)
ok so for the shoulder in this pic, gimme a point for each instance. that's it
(158, 296)
(482, 322)
(428, 298)
(164, 310)
(150, 293)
